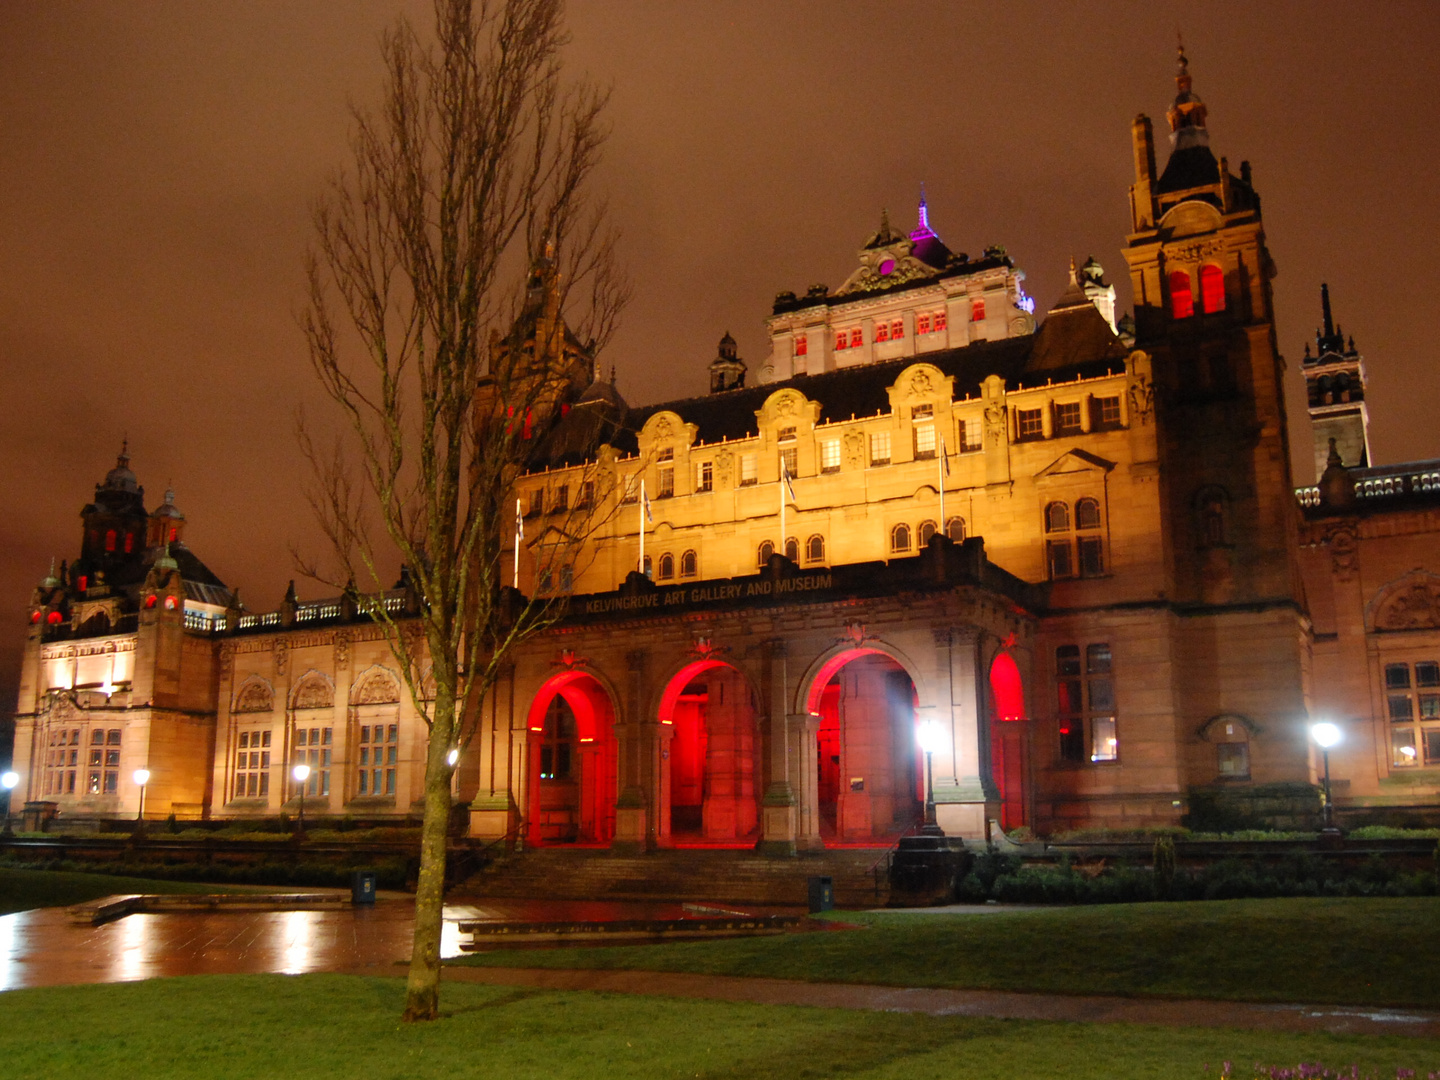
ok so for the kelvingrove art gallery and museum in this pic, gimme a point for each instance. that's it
(1070, 548)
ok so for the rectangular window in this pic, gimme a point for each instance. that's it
(1233, 760)
(1067, 417)
(587, 495)
(842, 340)
(1057, 554)
(1085, 704)
(939, 322)
(378, 748)
(1103, 744)
(897, 329)
(1432, 746)
(882, 331)
(1427, 673)
(924, 441)
(830, 455)
(1403, 751)
(857, 338)
(665, 482)
(632, 489)
(747, 470)
(1106, 412)
(704, 476)
(1400, 709)
(252, 765)
(789, 458)
(970, 435)
(537, 502)
(880, 448)
(802, 345)
(977, 310)
(1030, 423)
(561, 502)
(1092, 556)
(1397, 676)
(922, 324)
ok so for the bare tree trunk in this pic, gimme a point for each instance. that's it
(422, 986)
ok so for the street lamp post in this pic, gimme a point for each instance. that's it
(930, 738)
(142, 777)
(8, 781)
(301, 774)
(1327, 735)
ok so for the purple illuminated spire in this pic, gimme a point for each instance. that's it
(922, 230)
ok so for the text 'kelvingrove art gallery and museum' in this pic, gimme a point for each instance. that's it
(1071, 548)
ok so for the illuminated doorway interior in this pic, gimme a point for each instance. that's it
(713, 758)
(869, 777)
(572, 763)
(1007, 739)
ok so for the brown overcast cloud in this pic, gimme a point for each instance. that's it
(159, 160)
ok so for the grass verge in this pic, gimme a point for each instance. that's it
(21, 890)
(320, 1026)
(1339, 951)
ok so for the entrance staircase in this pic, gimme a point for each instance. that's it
(716, 876)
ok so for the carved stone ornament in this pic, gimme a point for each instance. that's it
(854, 450)
(904, 268)
(280, 651)
(663, 428)
(724, 463)
(994, 424)
(254, 696)
(853, 634)
(786, 407)
(379, 688)
(920, 383)
(342, 650)
(1412, 605)
(227, 659)
(706, 649)
(1344, 554)
(1142, 399)
(1192, 253)
(569, 659)
(313, 692)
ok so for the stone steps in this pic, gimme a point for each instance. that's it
(732, 877)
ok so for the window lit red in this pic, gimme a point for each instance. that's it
(922, 324)
(802, 346)
(1212, 287)
(897, 329)
(53, 618)
(110, 540)
(174, 534)
(857, 338)
(83, 582)
(35, 617)
(1182, 304)
(940, 320)
(150, 601)
(977, 310)
(842, 340)
(882, 331)
(129, 543)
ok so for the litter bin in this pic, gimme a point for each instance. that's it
(362, 887)
(822, 893)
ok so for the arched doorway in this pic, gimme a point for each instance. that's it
(869, 779)
(572, 765)
(713, 758)
(1007, 739)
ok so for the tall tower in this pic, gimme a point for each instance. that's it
(1203, 310)
(1335, 389)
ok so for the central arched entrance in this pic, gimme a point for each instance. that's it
(713, 760)
(572, 762)
(869, 779)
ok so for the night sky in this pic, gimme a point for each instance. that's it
(160, 160)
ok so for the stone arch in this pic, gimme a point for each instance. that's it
(255, 695)
(313, 690)
(376, 685)
(576, 803)
(812, 683)
(1410, 602)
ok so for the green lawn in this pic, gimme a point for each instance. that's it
(315, 1026)
(21, 890)
(1345, 951)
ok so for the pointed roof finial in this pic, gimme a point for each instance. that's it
(123, 460)
(924, 212)
(1187, 114)
(1073, 279)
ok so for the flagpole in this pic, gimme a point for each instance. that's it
(519, 532)
(782, 504)
(942, 489)
(642, 526)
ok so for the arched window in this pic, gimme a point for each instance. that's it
(927, 530)
(1212, 287)
(667, 566)
(1087, 514)
(174, 534)
(955, 529)
(129, 542)
(900, 538)
(815, 548)
(1057, 517)
(53, 618)
(557, 741)
(792, 549)
(1182, 303)
(110, 540)
(649, 570)
(689, 565)
(766, 550)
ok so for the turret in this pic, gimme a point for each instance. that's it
(1335, 393)
(727, 370)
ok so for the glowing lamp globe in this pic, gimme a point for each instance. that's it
(142, 776)
(452, 757)
(1325, 735)
(930, 737)
(9, 780)
(301, 773)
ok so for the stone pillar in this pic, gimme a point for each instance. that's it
(494, 804)
(778, 830)
(867, 767)
(963, 801)
(633, 828)
(729, 807)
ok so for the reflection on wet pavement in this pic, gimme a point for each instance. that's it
(45, 948)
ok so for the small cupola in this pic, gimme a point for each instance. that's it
(167, 523)
(727, 370)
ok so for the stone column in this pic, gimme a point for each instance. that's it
(962, 800)
(633, 830)
(804, 730)
(779, 809)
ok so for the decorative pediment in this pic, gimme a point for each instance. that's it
(1191, 218)
(315, 690)
(1411, 603)
(885, 269)
(788, 408)
(255, 695)
(376, 685)
(1228, 727)
(1075, 461)
(921, 383)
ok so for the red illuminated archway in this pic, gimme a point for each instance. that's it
(710, 775)
(869, 779)
(571, 761)
(1007, 738)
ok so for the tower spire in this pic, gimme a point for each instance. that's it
(1187, 114)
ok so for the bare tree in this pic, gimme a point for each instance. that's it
(447, 363)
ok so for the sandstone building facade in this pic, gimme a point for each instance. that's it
(1070, 550)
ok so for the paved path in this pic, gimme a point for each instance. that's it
(46, 948)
